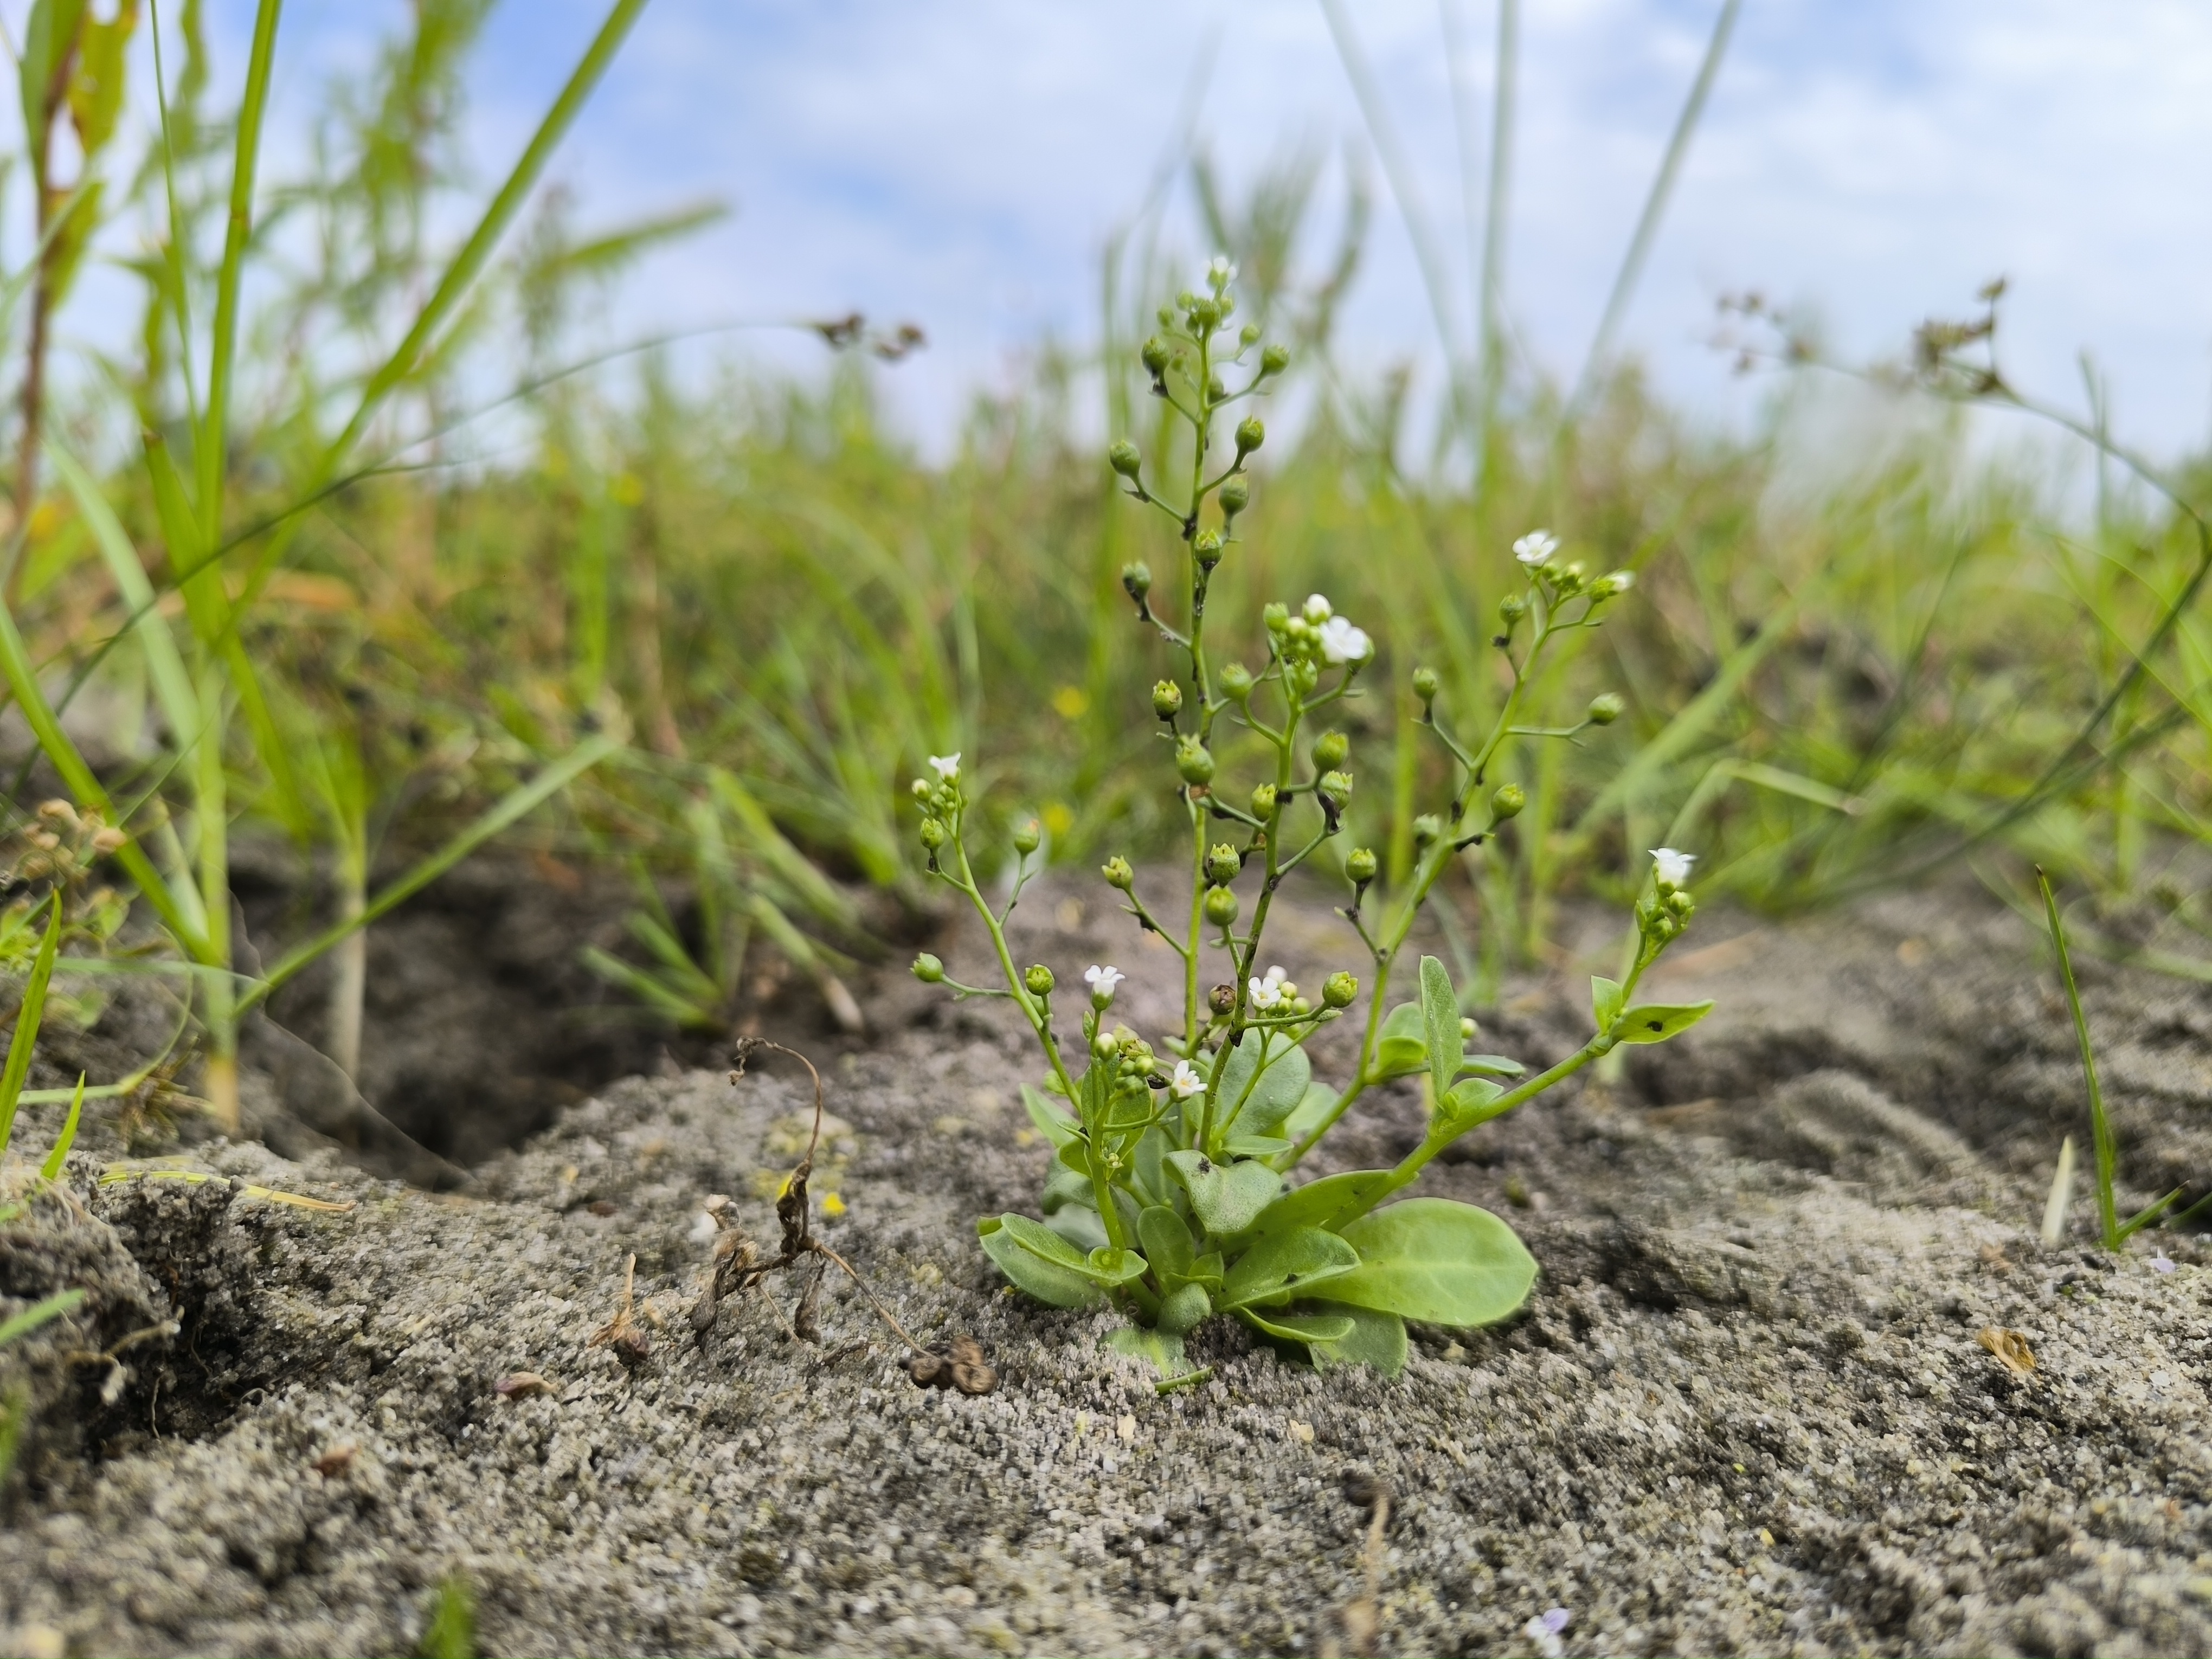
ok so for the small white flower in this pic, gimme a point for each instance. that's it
(1673, 868)
(703, 1228)
(1318, 609)
(1535, 548)
(1342, 643)
(1184, 1081)
(1101, 981)
(1266, 994)
(1222, 272)
(946, 767)
(1622, 580)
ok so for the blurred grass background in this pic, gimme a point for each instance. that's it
(1863, 648)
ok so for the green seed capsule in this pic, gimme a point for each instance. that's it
(1275, 359)
(1119, 875)
(1039, 979)
(1125, 459)
(928, 969)
(1237, 682)
(1137, 579)
(1193, 761)
(1026, 836)
(1250, 435)
(1207, 546)
(1222, 864)
(1221, 906)
(1330, 751)
(1507, 800)
(1336, 787)
(1361, 866)
(1427, 828)
(1263, 800)
(932, 833)
(1426, 684)
(1605, 707)
(1167, 699)
(1236, 491)
(1156, 355)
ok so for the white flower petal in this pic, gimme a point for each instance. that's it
(946, 766)
(1318, 609)
(1536, 547)
(1673, 868)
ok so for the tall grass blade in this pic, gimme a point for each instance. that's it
(38, 1313)
(26, 1035)
(51, 1168)
(2100, 1128)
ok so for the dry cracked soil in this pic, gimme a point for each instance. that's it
(1747, 1409)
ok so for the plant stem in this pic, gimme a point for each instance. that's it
(2100, 1128)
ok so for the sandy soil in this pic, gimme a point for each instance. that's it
(1747, 1409)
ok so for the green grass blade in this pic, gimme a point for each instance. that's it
(471, 260)
(2099, 1127)
(51, 1168)
(26, 1035)
(37, 1314)
(508, 811)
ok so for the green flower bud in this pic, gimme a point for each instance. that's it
(1336, 789)
(1119, 875)
(1137, 580)
(1156, 355)
(1182, 1311)
(928, 969)
(1506, 802)
(1427, 829)
(1511, 609)
(1204, 313)
(1193, 761)
(1361, 866)
(932, 833)
(1237, 682)
(1570, 577)
(1250, 435)
(1026, 836)
(1263, 800)
(1222, 864)
(1605, 707)
(1125, 459)
(1276, 616)
(1039, 979)
(1167, 699)
(1338, 990)
(921, 791)
(1330, 751)
(1426, 684)
(1275, 359)
(1681, 904)
(1248, 335)
(1236, 491)
(1215, 389)
(1221, 906)
(1207, 546)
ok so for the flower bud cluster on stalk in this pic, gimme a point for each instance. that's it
(1168, 1196)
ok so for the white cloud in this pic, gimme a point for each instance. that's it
(962, 165)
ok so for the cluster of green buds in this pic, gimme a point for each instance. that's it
(940, 800)
(1665, 911)
(1538, 553)
(1315, 637)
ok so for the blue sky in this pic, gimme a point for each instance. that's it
(962, 164)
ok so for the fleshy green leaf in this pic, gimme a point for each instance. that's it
(1051, 1119)
(1167, 1243)
(1317, 1103)
(1227, 1197)
(1435, 1259)
(1606, 996)
(1463, 1103)
(1048, 1281)
(1041, 1240)
(1402, 1049)
(1152, 1167)
(1654, 1022)
(1080, 1226)
(1255, 1146)
(1110, 1267)
(1309, 1327)
(1283, 1076)
(1439, 1024)
(1495, 1065)
(1377, 1339)
(1286, 1266)
(1322, 1203)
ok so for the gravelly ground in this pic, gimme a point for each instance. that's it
(1746, 1410)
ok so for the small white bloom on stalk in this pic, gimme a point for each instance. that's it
(1184, 1081)
(1342, 644)
(946, 767)
(1318, 609)
(1671, 868)
(1535, 548)
(1222, 272)
(1273, 991)
(1102, 982)
(1622, 580)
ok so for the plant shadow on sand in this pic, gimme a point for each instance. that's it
(1750, 1406)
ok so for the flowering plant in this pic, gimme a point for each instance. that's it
(1168, 1194)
